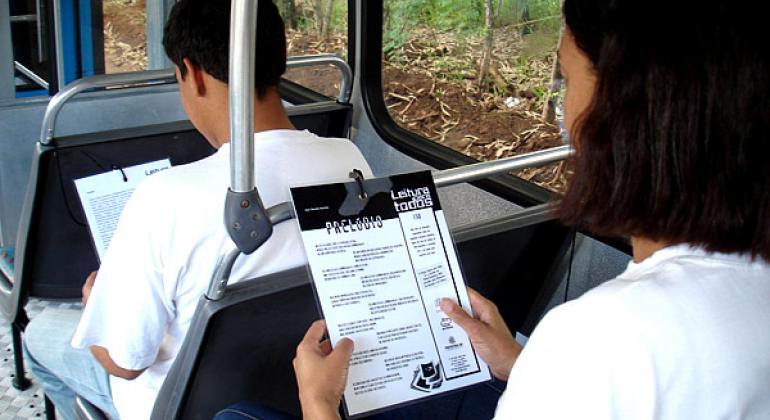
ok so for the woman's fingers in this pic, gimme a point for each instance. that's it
(341, 353)
(488, 332)
(459, 316)
(315, 333)
(483, 308)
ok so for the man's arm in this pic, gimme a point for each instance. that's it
(100, 353)
(103, 357)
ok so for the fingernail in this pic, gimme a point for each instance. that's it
(345, 341)
(446, 305)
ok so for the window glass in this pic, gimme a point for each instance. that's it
(312, 27)
(125, 35)
(475, 76)
(316, 27)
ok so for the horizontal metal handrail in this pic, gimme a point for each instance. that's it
(473, 172)
(21, 68)
(166, 76)
(285, 211)
(476, 171)
(23, 18)
(346, 87)
(120, 80)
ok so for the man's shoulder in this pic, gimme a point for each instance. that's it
(181, 178)
(291, 136)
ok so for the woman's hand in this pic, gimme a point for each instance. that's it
(321, 373)
(488, 333)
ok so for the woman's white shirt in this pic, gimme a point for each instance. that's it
(684, 334)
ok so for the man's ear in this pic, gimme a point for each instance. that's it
(195, 73)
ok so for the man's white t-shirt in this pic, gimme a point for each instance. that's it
(682, 335)
(167, 244)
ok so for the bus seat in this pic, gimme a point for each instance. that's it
(84, 410)
(240, 348)
(54, 252)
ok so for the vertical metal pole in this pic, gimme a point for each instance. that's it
(59, 43)
(39, 22)
(246, 221)
(243, 42)
(20, 380)
(157, 12)
(7, 84)
(50, 410)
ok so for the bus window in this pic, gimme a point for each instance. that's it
(315, 27)
(312, 27)
(474, 76)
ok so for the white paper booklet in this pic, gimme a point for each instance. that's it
(103, 197)
(381, 258)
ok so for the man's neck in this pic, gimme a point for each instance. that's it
(269, 114)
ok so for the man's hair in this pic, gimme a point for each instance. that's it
(200, 31)
(675, 145)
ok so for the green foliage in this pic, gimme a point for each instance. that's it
(467, 16)
(397, 22)
(445, 15)
(513, 11)
(340, 16)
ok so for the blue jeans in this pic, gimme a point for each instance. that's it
(61, 370)
(477, 403)
(251, 411)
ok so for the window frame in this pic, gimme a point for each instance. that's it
(506, 186)
(509, 187)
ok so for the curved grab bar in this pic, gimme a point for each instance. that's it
(346, 87)
(166, 76)
(122, 80)
(276, 214)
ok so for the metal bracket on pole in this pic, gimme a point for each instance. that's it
(245, 218)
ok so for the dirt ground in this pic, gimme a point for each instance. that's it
(454, 120)
(474, 120)
(125, 35)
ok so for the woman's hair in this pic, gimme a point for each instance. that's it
(675, 145)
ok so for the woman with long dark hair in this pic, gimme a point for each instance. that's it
(668, 104)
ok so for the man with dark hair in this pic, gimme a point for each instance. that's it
(170, 235)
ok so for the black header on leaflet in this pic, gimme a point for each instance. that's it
(318, 207)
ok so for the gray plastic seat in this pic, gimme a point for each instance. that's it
(240, 348)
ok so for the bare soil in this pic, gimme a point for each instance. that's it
(125, 35)
(454, 119)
